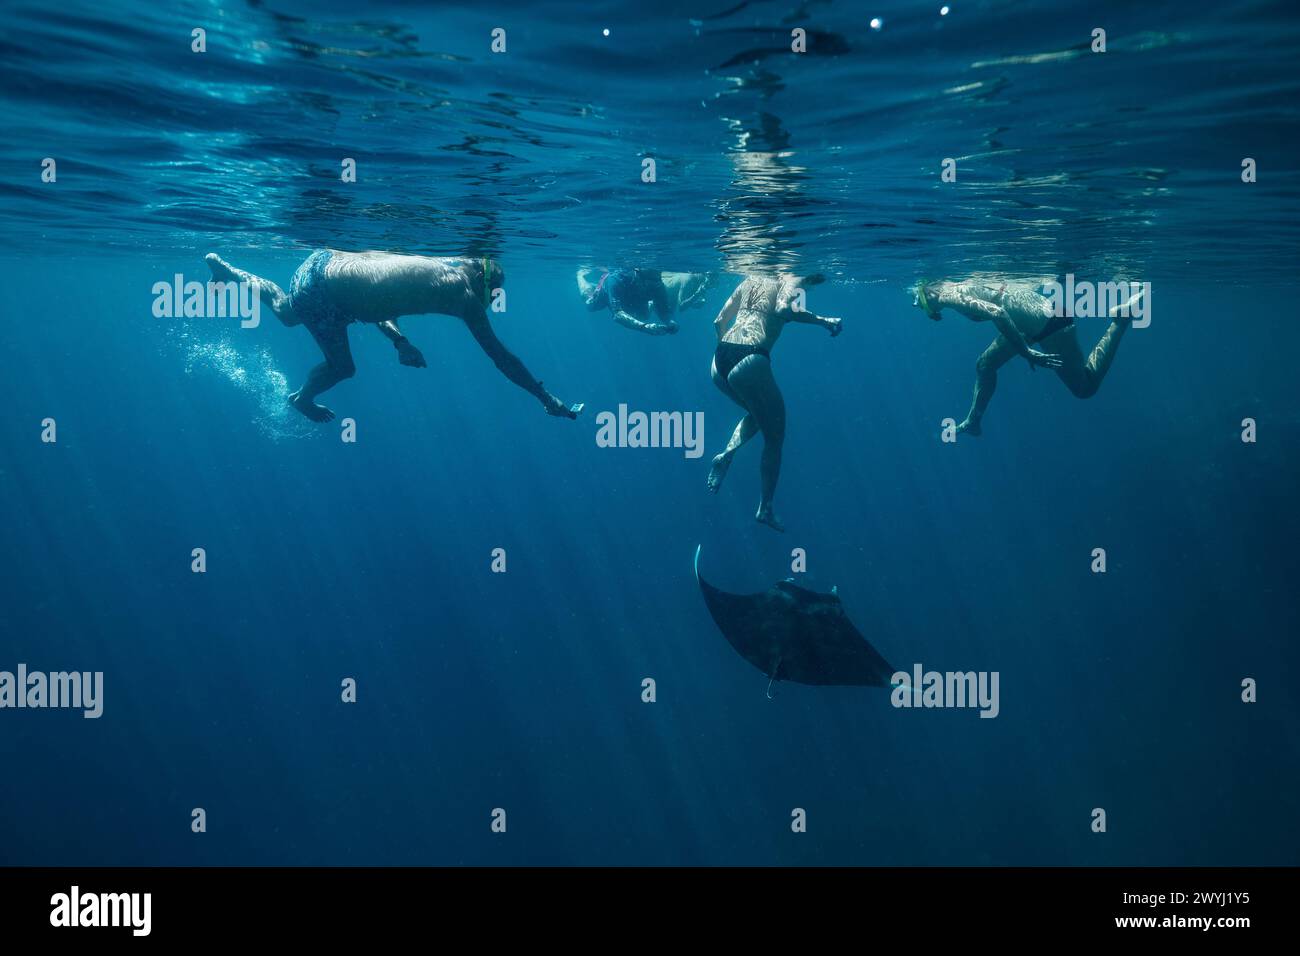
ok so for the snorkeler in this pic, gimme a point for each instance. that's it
(1024, 317)
(630, 294)
(333, 289)
(748, 327)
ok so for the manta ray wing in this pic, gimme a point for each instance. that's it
(794, 634)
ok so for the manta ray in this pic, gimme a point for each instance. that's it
(794, 634)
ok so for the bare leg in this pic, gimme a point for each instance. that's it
(272, 296)
(338, 365)
(745, 429)
(1105, 350)
(986, 383)
(754, 383)
(1084, 378)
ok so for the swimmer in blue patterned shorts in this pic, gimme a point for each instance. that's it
(332, 289)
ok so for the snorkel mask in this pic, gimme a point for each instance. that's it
(923, 303)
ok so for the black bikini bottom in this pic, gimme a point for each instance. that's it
(729, 355)
(1055, 324)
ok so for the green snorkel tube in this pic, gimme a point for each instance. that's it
(487, 281)
(922, 301)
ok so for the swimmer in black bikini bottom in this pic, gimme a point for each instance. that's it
(729, 354)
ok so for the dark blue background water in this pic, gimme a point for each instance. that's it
(522, 690)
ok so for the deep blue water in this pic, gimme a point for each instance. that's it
(522, 690)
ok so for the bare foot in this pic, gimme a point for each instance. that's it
(222, 271)
(767, 517)
(719, 471)
(317, 413)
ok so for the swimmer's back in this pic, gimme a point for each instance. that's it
(376, 286)
(757, 322)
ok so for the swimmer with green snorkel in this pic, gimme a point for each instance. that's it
(332, 289)
(1024, 318)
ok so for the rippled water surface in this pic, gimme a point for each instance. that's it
(1124, 162)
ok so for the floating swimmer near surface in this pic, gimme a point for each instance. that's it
(793, 634)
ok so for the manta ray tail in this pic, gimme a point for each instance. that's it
(894, 685)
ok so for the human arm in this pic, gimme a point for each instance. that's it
(786, 308)
(649, 328)
(508, 363)
(978, 309)
(407, 353)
